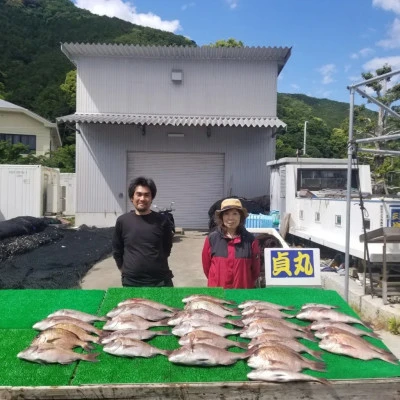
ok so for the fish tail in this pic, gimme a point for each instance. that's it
(102, 319)
(389, 357)
(162, 322)
(373, 334)
(90, 357)
(97, 331)
(87, 346)
(316, 366)
(240, 345)
(94, 339)
(166, 353)
(323, 381)
(309, 336)
(316, 354)
(163, 333)
(289, 308)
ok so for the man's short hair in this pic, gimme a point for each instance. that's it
(142, 181)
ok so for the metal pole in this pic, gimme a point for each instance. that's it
(348, 195)
(376, 151)
(305, 135)
(384, 138)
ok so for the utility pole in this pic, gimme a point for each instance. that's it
(305, 135)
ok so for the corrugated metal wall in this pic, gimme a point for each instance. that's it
(102, 156)
(209, 87)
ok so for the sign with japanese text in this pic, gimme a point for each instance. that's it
(394, 217)
(292, 267)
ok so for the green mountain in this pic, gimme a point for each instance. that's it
(32, 66)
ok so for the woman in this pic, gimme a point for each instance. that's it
(231, 254)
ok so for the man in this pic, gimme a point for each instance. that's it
(142, 240)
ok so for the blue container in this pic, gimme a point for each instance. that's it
(259, 221)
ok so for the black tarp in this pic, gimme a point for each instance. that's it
(59, 264)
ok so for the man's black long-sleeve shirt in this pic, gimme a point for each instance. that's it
(141, 247)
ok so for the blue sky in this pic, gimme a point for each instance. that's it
(332, 41)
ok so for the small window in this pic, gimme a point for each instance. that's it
(301, 216)
(338, 220)
(27, 140)
(317, 217)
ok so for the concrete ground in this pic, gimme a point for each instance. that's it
(185, 263)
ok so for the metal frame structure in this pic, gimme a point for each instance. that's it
(351, 151)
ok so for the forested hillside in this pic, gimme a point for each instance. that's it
(32, 66)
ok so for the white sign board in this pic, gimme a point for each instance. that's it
(292, 267)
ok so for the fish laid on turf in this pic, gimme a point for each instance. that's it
(267, 338)
(215, 308)
(331, 330)
(141, 310)
(151, 303)
(249, 318)
(204, 355)
(51, 321)
(255, 329)
(317, 325)
(47, 353)
(138, 334)
(204, 315)
(273, 312)
(131, 322)
(318, 313)
(278, 354)
(318, 305)
(200, 336)
(282, 375)
(61, 338)
(65, 312)
(196, 297)
(79, 332)
(278, 322)
(126, 347)
(264, 304)
(198, 324)
(356, 347)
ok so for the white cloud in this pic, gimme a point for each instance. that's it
(388, 5)
(232, 3)
(365, 52)
(347, 68)
(124, 10)
(393, 41)
(327, 72)
(379, 62)
(294, 86)
(187, 5)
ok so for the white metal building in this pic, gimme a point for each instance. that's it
(199, 120)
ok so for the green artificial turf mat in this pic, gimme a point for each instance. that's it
(113, 369)
(338, 366)
(16, 372)
(22, 308)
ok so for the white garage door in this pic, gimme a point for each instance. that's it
(194, 181)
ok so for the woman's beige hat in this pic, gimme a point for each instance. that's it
(229, 204)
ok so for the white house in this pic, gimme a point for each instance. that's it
(19, 125)
(199, 120)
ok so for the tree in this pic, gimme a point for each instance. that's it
(69, 88)
(227, 43)
(384, 125)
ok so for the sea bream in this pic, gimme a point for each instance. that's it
(131, 322)
(51, 321)
(204, 355)
(133, 348)
(282, 375)
(331, 330)
(48, 353)
(317, 325)
(356, 347)
(215, 308)
(269, 312)
(249, 318)
(197, 297)
(79, 332)
(61, 338)
(148, 302)
(267, 338)
(318, 305)
(138, 334)
(204, 315)
(318, 313)
(198, 324)
(200, 336)
(141, 310)
(65, 312)
(264, 304)
(255, 329)
(279, 355)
